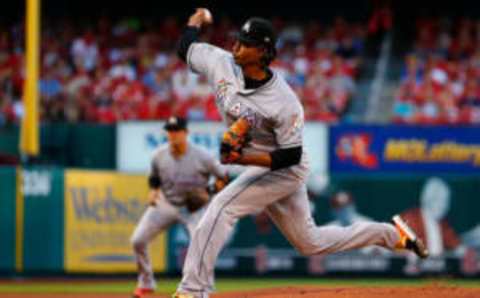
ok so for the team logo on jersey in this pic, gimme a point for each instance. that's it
(222, 90)
(236, 110)
(296, 124)
(252, 118)
(246, 27)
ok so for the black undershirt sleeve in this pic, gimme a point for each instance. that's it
(189, 35)
(283, 158)
(154, 182)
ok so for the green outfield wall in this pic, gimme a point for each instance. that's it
(7, 218)
(69, 145)
(43, 219)
(33, 228)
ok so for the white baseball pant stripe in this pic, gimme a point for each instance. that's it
(284, 196)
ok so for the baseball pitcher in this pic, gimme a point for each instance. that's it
(178, 190)
(265, 133)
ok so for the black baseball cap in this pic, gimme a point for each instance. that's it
(175, 123)
(258, 32)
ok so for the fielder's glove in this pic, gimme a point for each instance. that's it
(233, 141)
(196, 199)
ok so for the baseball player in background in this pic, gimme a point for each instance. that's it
(180, 172)
(265, 129)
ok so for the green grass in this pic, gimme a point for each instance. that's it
(169, 285)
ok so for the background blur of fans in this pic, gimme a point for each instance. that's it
(126, 69)
(110, 69)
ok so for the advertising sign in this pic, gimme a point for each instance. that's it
(136, 142)
(101, 211)
(404, 149)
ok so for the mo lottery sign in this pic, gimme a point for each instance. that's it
(404, 149)
(101, 211)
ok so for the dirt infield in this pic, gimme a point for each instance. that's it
(358, 292)
(430, 291)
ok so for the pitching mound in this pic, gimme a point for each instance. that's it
(358, 292)
(432, 291)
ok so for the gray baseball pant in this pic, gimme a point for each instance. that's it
(154, 220)
(284, 196)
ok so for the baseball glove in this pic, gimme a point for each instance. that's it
(233, 141)
(218, 185)
(196, 199)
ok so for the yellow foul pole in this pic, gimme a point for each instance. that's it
(29, 144)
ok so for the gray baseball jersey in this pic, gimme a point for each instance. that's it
(273, 111)
(276, 119)
(190, 171)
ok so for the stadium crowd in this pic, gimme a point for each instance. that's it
(112, 71)
(440, 80)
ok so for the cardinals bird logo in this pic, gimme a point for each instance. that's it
(355, 148)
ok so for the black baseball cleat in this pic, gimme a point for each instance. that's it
(408, 238)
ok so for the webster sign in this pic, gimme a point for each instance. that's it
(101, 211)
(100, 205)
